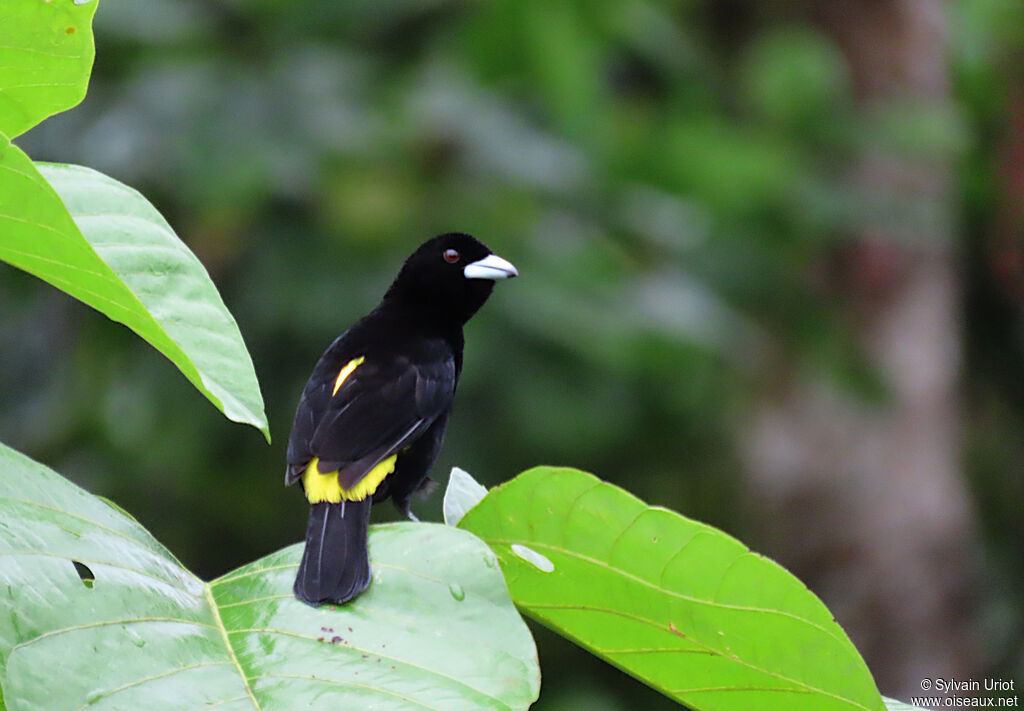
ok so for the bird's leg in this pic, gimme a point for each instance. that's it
(403, 506)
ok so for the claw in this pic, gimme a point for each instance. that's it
(404, 508)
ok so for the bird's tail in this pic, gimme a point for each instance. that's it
(335, 566)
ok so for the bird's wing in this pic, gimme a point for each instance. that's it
(315, 400)
(380, 407)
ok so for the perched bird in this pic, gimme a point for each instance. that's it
(372, 416)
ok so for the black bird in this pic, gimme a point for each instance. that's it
(372, 416)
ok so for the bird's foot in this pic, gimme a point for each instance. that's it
(404, 508)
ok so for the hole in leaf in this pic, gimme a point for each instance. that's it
(84, 573)
(537, 560)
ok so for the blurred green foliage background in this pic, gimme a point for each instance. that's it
(673, 180)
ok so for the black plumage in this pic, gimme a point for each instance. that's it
(383, 389)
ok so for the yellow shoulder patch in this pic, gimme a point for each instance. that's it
(325, 487)
(345, 372)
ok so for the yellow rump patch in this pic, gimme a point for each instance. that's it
(345, 372)
(325, 487)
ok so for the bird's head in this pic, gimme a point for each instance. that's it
(453, 273)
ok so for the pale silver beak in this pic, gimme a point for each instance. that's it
(490, 267)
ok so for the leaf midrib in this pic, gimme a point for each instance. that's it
(208, 593)
(805, 687)
(666, 591)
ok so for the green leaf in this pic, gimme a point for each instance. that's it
(46, 53)
(116, 253)
(462, 494)
(678, 604)
(435, 630)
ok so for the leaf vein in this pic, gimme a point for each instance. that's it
(255, 571)
(155, 677)
(107, 563)
(105, 623)
(710, 650)
(339, 682)
(671, 593)
(376, 653)
(86, 519)
(706, 689)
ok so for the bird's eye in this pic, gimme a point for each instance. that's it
(451, 256)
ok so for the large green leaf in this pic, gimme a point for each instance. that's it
(676, 603)
(46, 53)
(116, 253)
(132, 629)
